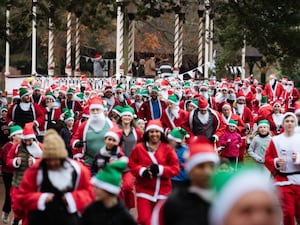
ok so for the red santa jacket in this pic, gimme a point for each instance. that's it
(241, 124)
(170, 124)
(146, 111)
(247, 117)
(30, 196)
(136, 109)
(273, 94)
(38, 115)
(55, 115)
(76, 106)
(289, 99)
(157, 187)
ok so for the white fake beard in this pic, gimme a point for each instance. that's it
(138, 105)
(61, 178)
(231, 97)
(289, 89)
(258, 96)
(178, 93)
(110, 101)
(204, 94)
(203, 118)
(121, 98)
(246, 90)
(55, 93)
(25, 106)
(34, 150)
(175, 112)
(97, 121)
(272, 81)
(240, 108)
(164, 94)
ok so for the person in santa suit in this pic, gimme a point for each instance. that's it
(173, 116)
(246, 115)
(70, 103)
(188, 96)
(37, 97)
(137, 103)
(121, 96)
(203, 90)
(246, 89)
(290, 96)
(191, 205)
(273, 89)
(283, 160)
(56, 189)
(88, 138)
(20, 157)
(221, 97)
(152, 109)
(109, 98)
(84, 116)
(153, 163)
(275, 118)
(25, 112)
(228, 115)
(204, 121)
(52, 112)
(257, 99)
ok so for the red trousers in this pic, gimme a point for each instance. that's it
(144, 210)
(127, 193)
(290, 203)
(16, 207)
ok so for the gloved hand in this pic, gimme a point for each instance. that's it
(213, 139)
(79, 144)
(146, 174)
(154, 169)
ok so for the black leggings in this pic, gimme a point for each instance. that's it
(7, 179)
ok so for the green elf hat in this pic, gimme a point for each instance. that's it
(133, 86)
(156, 89)
(263, 123)
(127, 111)
(23, 92)
(80, 96)
(36, 87)
(68, 114)
(233, 123)
(16, 129)
(239, 182)
(187, 85)
(194, 103)
(177, 134)
(139, 92)
(50, 95)
(149, 82)
(117, 109)
(144, 92)
(4, 108)
(71, 91)
(264, 99)
(109, 178)
(119, 87)
(173, 99)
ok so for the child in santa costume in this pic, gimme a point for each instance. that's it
(107, 208)
(283, 161)
(153, 162)
(110, 151)
(66, 132)
(20, 157)
(177, 139)
(56, 189)
(249, 196)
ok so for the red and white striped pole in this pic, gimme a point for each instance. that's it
(200, 36)
(68, 68)
(176, 44)
(7, 47)
(120, 40)
(51, 65)
(33, 49)
(77, 48)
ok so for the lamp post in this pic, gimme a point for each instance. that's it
(7, 47)
(33, 52)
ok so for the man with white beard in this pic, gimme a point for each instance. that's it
(290, 96)
(221, 97)
(89, 137)
(138, 101)
(203, 91)
(173, 116)
(121, 96)
(246, 88)
(273, 89)
(204, 121)
(246, 115)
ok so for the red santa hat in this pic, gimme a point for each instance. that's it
(97, 55)
(188, 93)
(202, 103)
(200, 151)
(277, 102)
(15, 93)
(86, 112)
(237, 80)
(54, 86)
(156, 125)
(63, 89)
(95, 103)
(226, 105)
(108, 88)
(240, 95)
(28, 131)
(114, 132)
(164, 83)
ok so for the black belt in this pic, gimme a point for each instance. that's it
(288, 174)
